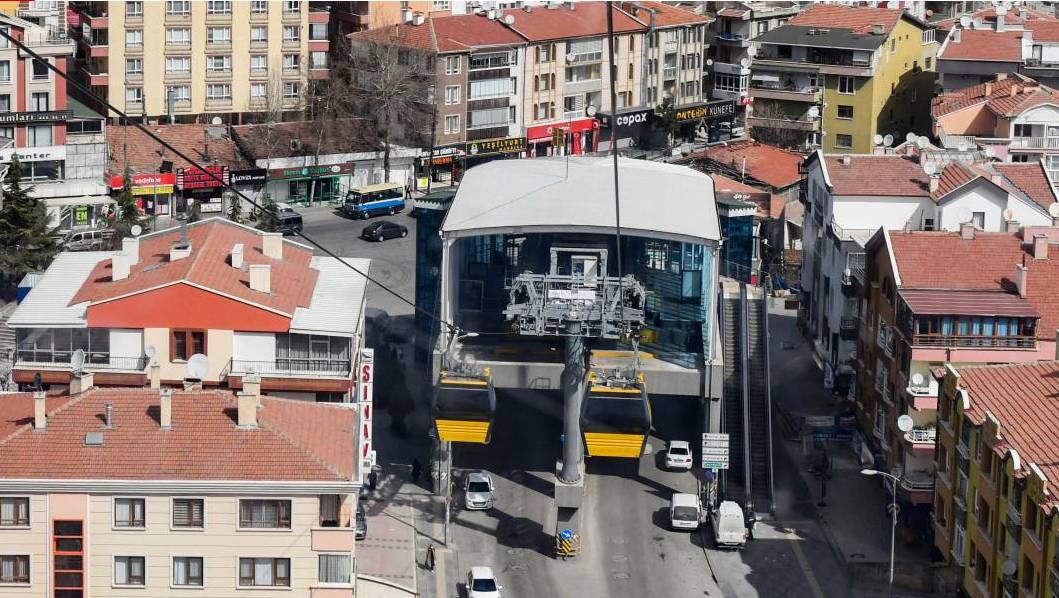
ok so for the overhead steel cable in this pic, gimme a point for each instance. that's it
(126, 120)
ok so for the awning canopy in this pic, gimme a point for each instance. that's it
(968, 303)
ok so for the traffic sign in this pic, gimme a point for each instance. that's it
(714, 451)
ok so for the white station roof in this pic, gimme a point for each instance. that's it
(48, 304)
(338, 298)
(576, 194)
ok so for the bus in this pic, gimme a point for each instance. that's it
(372, 200)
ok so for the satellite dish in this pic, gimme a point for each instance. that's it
(814, 112)
(989, 152)
(905, 423)
(509, 19)
(964, 215)
(591, 110)
(709, 62)
(77, 361)
(570, 57)
(1053, 210)
(1009, 567)
(136, 230)
(752, 51)
(910, 137)
(877, 140)
(965, 21)
(216, 120)
(198, 366)
(888, 140)
(917, 379)
(744, 62)
(930, 169)
(149, 351)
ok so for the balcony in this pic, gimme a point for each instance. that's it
(292, 44)
(177, 17)
(669, 72)
(584, 58)
(25, 359)
(134, 77)
(177, 76)
(735, 39)
(787, 93)
(582, 86)
(848, 327)
(973, 342)
(1037, 63)
(328, 368)
(837, 64)
(918, 487)
(925, 436)
(795, 123)
(1034, 143)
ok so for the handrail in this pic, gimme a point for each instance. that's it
(968, 340)
(744, 356)
(768, 397)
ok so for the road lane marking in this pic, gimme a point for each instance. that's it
(803, 562)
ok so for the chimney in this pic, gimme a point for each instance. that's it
(272, 245)
(108, 415)
(1011, 226)
(80, 382)
(1022, 13)
(999, 23)
(1015, 90)
(406, 15)
(1040, 246)
(249, 401)
(846, 160)
(1027, 37)
(934, 183)
(237, 256)
(878, 29)
(996, 179)
(988, 88)
(1020, 280)
(956, 35)
(130, 246)
(967, 231)
(418, 19)
(119, 266)
(165, 406)
(179, 251)
(154, 372)
(40, 413)
(260, 278)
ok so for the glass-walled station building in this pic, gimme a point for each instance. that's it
(556, 216)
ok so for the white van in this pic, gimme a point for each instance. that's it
(685, 513)
(88, 240)
(729, 525)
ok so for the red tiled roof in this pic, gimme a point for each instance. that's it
(16, 410)
(340, 136)
(766, 163)
(420, 37)
(860, 19)
(723, 183)
(459, 33)
(586, 19)
(952, 177)
(976, 94)
(984, 45)
(732, 12)
(1022, 397)
(668, 16)
(146, 155)
(207, 266)
(969, 303)
(988, 15)
(876, 175)
(1031, 180)
(295, 440)
(1044, 30)
(1026, 98)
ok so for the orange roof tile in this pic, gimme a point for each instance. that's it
(295, 440)
(459, 33)
(1031, 180)
(736, 13)
(860, 19)
(984, 45)
(976, 94)
(146, 155)
(953, 176)
(668, 16)
(876, 175)
(1044, 30)
(586, 19)
(211, 244)
(769, 164)
(420, 37)
(16, 411)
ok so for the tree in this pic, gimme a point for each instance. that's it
(28, 240)
(126, 214)
(394, 83)
(235, 208)
(666, 119)
(779, 131)
(268, 218)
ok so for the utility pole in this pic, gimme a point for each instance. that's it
(573, 391)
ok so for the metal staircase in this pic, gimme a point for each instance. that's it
(759, 406)
(732, 420)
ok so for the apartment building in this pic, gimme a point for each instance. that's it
(154, 492)
(250, 302)
(731, 48)
(675, 54)
(994, 505)
(850, 197)
(220, 58)
(834, 77)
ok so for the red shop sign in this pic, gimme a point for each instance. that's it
(144, 180)
(194, 178)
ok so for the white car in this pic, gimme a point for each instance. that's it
(678, 455)
(685, 512)
(478, 491)
(481, 583)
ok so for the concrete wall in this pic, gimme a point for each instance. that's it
(981, 196)
(218, 350)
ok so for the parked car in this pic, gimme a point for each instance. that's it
(678, 455)
(685, 512)
(729, 525)
(290, 222)
(481, 583)
(362, 522)
(478, 491)
(382, 230)
(88, 240)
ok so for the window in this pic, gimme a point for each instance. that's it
(258, 62)
(845, 111)
(927, 63)
(258, 34)
(452, 95)
(5, 71)
(134, 37)
(292, 6)
(452, 65)
(334, 568)
(188, 512)
(318, 60)
(38, 135)
(40, 70)
(8, 132)
(219, 35)
(452, 124)
(292, 33)
(187, 571)
(179, 93)
(762, 27)
(291, 62)
(546, 53)
(318, 31)
(258, 91)
(978, 219)
(220, 92)
(14, 511)
(846, 85)
(178, 64)
(129, 512)
(14, 568)
(179, 36)
(40, 101)
(133, 66)
(893, 45)
(291, 90)
(219, 63)
(729, 82)
(185, 343)
(545, 110)
(128, 570)
(264, 513)
(264, 572)
(259, 7)
(134, 9)
(842, 140)
(178, 8)
(218, 7)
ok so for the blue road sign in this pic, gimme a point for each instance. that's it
(566, 534)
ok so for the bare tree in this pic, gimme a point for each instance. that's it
(780, 129)
(394, 83)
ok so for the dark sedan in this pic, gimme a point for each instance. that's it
(381, 230)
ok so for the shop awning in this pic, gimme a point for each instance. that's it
(968, 303)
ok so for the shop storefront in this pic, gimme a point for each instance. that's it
(487, 150)
(631, 125)
(295, 184)
(153, 191)
(441, 165)
(573, 137)
(202, 187)
(706, 119)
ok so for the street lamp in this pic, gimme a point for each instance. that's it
(893, 512)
